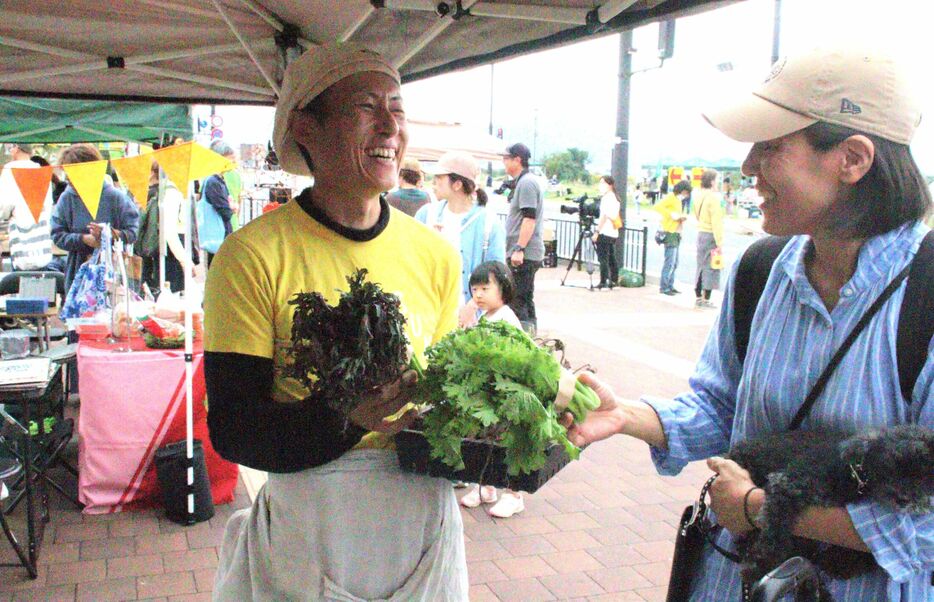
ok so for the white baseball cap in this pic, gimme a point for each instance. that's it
(863, 90)
(307, 77)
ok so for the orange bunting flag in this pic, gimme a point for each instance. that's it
(190, 161)
(88, 181)
(134, 173)
(33, 183)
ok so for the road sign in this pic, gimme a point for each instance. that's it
(216, 133)
(216, 121)
(675, 175)
(696, 173)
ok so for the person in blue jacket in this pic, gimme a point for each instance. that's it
(217, 194)
(461, 216)
(75, 230)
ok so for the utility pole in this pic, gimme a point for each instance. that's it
(489, 164)
(620, 168)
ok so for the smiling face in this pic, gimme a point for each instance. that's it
(798, 184)
(358, 137)
(488, 296)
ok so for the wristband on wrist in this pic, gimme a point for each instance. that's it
(749, 517)
(518, 249)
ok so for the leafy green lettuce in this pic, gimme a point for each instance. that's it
(492, 382)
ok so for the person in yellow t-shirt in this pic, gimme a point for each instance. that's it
(337, 517)
(708, 209)
(672, 222)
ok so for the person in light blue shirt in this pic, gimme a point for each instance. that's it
(462, 218)
(832, 162)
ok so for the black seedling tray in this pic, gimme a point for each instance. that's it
(484, 462)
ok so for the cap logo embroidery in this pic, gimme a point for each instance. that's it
(850, 107)
(776, 69)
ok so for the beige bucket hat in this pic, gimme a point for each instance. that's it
(308, 76)
(859, 89)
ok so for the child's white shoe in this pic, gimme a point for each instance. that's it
(508, 504)
(472, 498)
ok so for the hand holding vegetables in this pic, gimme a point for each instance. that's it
(601, 422)
(374, 408)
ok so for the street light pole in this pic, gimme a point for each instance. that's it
(776, 31)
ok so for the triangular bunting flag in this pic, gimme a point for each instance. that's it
(88, 181)
(33, 183)
(134, 173)
(190, 161)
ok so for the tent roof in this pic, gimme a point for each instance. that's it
(232, 51)
(38, 120)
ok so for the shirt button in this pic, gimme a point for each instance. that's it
(847, 292)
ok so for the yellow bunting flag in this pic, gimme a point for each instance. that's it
(88, 181)
(134, 173)
(190, 161)
(33, 183)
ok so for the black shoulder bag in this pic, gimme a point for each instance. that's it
(695, 528)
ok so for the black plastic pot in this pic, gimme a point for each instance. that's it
(172, 472)
(484, 462)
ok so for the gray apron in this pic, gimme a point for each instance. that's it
(355, 529)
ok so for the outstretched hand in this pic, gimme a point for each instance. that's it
(605, 421)
(375, 411)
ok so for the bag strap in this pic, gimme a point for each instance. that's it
(751, 276)
(818, 387)
(915, 330)
(915, 325)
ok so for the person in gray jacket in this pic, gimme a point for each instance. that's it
(525, 249)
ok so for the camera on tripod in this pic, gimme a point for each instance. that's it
(588, 210)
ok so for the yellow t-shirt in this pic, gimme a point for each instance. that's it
(709, 213)
(262, 265)
(668, 207)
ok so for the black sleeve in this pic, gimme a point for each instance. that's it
(528, 212)
(249, 428)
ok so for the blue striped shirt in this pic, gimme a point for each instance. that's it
(792, 339)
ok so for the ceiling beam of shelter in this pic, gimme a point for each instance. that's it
(433, 32)
(610, 9)
(275, 22)
(550, 14)
(269, 79)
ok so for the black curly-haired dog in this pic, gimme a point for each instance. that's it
(797, 469)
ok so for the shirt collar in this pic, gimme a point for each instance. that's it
(875, 260)
(304, 201)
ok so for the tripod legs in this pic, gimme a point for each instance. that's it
(578, 255)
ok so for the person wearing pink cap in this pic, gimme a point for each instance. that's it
(337, 519)
(462, 218)
(830, 130)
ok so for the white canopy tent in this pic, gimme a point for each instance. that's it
(234, 51)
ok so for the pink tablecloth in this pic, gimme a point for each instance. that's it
(132, 404)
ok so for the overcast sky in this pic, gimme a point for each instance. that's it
(567, 97)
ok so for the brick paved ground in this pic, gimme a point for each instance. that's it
(602, 529)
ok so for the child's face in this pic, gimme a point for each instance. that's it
(487, 296)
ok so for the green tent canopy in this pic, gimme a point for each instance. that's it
(45, 121)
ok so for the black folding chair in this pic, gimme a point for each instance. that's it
(10, 469)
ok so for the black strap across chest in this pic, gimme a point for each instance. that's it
(915, 325)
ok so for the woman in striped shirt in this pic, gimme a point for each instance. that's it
(833, 166)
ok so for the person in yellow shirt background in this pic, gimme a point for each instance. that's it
(708, 209)
(672, 222)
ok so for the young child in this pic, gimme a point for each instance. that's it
(492, 289)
